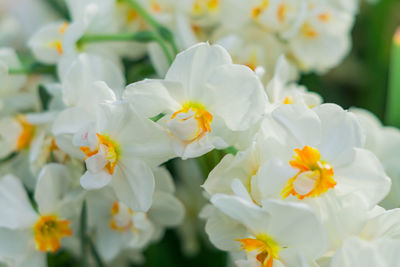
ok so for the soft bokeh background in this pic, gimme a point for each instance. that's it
(361, 80)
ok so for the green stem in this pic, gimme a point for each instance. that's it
(164, 32)
(35, 68)
(392, 115)
(95, 254)
(83, 238)
(143, 37)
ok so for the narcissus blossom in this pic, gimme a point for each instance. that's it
(269, 235)
(118, 149)
(26, 234)
(204, 100)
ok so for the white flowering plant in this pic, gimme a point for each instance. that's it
(196, 132)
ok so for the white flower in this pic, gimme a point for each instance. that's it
(118, 148)
(205, 99)
(47, 42)
(276, 234)
(282, 88)
(120, 228)
(26, 235)
(84, 84)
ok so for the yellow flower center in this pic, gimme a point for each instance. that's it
(201, 7)
(288, 100)
(107, 146)
(267, 248)
(308, 31)
(314, 178)
(27, 133)
(396, 37)
(191, 122)
(49, 230)
(281, 12)
(260, 8)
(121, 217)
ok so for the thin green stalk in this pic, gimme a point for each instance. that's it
(143, 36)
(164, 32)
(35, 68)
(95, 254)
(83, 229)
(393, 98)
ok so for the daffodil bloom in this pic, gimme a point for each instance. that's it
(282, 89)
(47, 42)
(205, 100)
(118, 227)
(276, 234)
(118, 149)
(84, 84)
(27, 235)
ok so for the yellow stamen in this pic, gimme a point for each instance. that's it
(267, 248)
(63, 28)
(48, 231)
(257, 10)
(308, 162)
(57, 44)
(131, 15)
(115, 209)
(325, 17)
(26, 136)
(309, 31)
(112, 155)
(288, 100)
(204, 6)
(281, 12)
(156, 7)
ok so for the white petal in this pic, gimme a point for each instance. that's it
(302, 122)
(166, 210)
(134, 184)
(239, 96)
(246, 212)
(96, 163)
(92, 181)
(14, 242)
(295, 225)
(152, 97)
(364, 177)
(53, 183)
(15, 208)
(193, 66)
(71, 120)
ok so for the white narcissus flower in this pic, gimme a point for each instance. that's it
(324, 33)
(85, 83)
(276, 234)
(27, 235)
(118, 149)
(119, 228)
(204, 99)
(282, 88)
(385, 143)
(47, 43)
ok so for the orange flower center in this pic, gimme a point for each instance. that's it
(258, 9)
(314, 178)
(121, 217)
(191, 122)
(49, 230)
(27, 133)
(204, 6)
(267, 248)
(107, 146)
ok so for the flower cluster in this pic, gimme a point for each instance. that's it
(87, 158)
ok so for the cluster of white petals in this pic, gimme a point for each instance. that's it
(300, 183)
